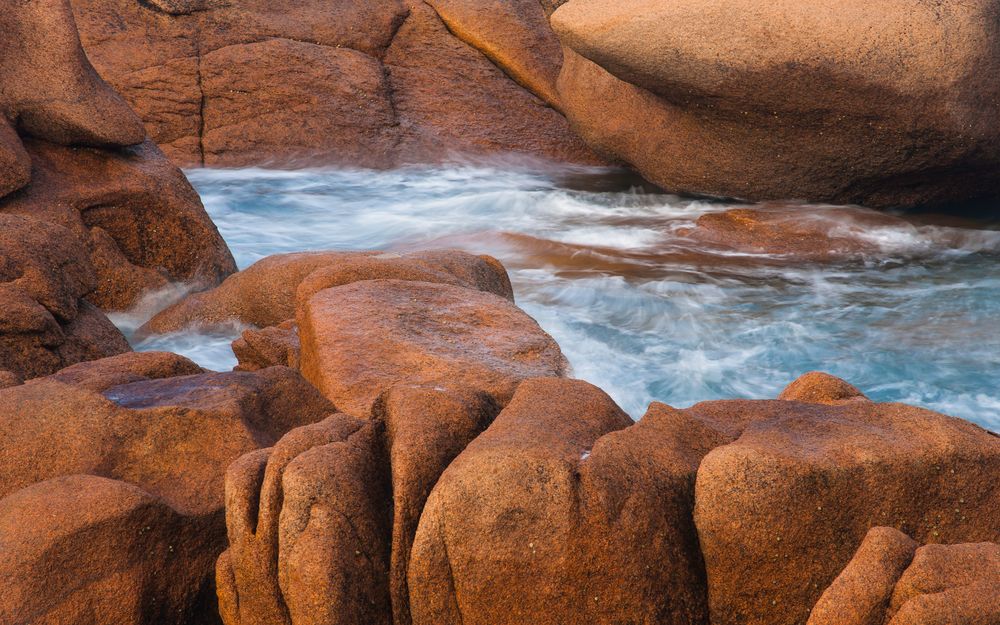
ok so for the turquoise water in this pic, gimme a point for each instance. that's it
(602, 263)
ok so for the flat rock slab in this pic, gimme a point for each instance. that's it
(362, 338)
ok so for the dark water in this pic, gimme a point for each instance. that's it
(640, 309)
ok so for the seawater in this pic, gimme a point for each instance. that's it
(601, 262)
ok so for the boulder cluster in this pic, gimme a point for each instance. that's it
(400, 443)
(882, 104)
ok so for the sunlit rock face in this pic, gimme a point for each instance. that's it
(881, 104)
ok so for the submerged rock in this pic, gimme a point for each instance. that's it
(360, 339)
(856, 103)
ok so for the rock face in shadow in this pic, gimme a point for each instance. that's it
(360, 339)
(119, 465)
(880, 105)
(892, 581)
(781, 510)
(265, 293)
(425, 429)
(49, 87)
(86, 549)
(375, 84)
(45, 324)
(308, 524)
(860, 595)
(142, 224)
(268, 347)
(72, 153)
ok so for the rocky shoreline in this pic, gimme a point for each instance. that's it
(400, 443)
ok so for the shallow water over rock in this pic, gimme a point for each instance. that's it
(644, 303)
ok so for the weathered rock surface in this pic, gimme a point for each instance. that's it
(268, 347)
(874, 104)
(86, 549)
(892, 581)
(45, 324)
(949, 584)
(356, 83)
(172, 436)
(137, 216)
(49, 87)
(562, 513)
(265, 293)
(514, 34)
(360, 339)
(425, 429)
(860, 595)
(781, 510)
(308, 524)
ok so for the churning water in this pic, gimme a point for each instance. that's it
(638, 308)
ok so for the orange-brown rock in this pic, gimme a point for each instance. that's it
(874, 104)
(267, 347)
(9, 378)
(860, 595)
(133, 419)
(98, 375)
(782, 509)
(286, 101)
(817, 387)
(45, 324)
(379, 83)
(86, 549)
(362, 338)
(138, 217)
(425, 429)
(265, 293)
(793, 232)
(50, 90)
(949, 585)
(562, 513)
(514, 34)
(15, 164)
(308, 523)
(890, 581)
(173, 436)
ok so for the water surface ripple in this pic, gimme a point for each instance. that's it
(639, 308)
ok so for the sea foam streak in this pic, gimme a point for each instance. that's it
(639, 309)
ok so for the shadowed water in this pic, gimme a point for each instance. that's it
(639, 308)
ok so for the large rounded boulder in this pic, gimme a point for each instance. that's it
(881, 104)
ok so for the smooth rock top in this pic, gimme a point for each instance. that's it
(362, 338)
